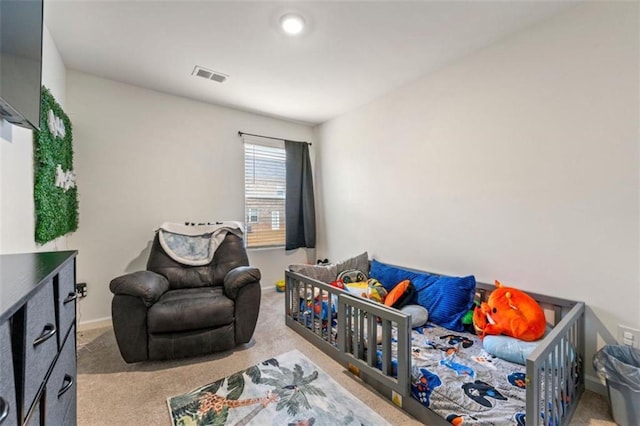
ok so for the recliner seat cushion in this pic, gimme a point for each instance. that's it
(190, 309)
(191, 343)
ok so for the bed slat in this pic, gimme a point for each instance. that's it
(372, 341)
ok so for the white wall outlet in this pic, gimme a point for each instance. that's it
(628, 336)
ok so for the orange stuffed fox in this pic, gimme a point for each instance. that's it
(511, 312)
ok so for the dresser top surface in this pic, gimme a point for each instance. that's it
(21, 274)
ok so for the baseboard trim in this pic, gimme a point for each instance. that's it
(595, 384)
(93, 324)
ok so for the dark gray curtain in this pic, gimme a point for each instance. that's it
(300, 210)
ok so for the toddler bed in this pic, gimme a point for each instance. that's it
(441, 376)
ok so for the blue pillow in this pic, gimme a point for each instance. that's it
(509, 348)
(446, 298)
(389, 275)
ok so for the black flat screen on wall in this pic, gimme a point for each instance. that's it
(21, 61)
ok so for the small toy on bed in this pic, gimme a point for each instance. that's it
(358, 289)
(511, 312)
(322, 309)
(369, 289)
(352, 276)
(338, 284)
(376, 291)
(308, 293)
(467, 320)
(401, 295)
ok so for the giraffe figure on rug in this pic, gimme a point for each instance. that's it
(212, 402)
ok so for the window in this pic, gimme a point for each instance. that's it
(264, 192)
(252, 215)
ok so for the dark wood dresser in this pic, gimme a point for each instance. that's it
(38, 338)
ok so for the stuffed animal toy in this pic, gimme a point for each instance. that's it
(338, 284)
(376, 290)
(511, 312)
(368, 289)
(352, 276)
(358, 289)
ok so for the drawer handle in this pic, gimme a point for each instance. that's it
(4, 409)
(70, 298)
(48, 331)
(66, 385)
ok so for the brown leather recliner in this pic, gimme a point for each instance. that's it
(173, 310)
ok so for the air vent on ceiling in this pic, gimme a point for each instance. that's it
(199, 71)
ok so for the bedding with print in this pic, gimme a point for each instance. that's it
(451, 373)
(455, 377)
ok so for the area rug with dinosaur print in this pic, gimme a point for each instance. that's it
(286, 390)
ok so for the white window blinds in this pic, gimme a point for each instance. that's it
(264, 192)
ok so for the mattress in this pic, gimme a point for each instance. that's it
(454, 376)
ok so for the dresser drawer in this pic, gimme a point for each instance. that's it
(66, 303)
(40, 343)
(8, 408)
(37, 339)
(61, 386)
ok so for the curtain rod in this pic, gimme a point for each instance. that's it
(270, 137)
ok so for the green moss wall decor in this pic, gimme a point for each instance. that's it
(55, 193)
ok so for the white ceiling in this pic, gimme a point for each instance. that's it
(351, 52)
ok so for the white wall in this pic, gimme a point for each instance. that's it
(143, 158)
(517, 163)
(17, 219)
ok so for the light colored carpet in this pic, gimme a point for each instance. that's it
(111, 392)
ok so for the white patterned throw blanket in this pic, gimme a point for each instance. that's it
(195, 245)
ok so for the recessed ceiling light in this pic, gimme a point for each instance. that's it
(292, 24)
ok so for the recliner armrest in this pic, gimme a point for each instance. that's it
(147, 285)
(238, 278)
